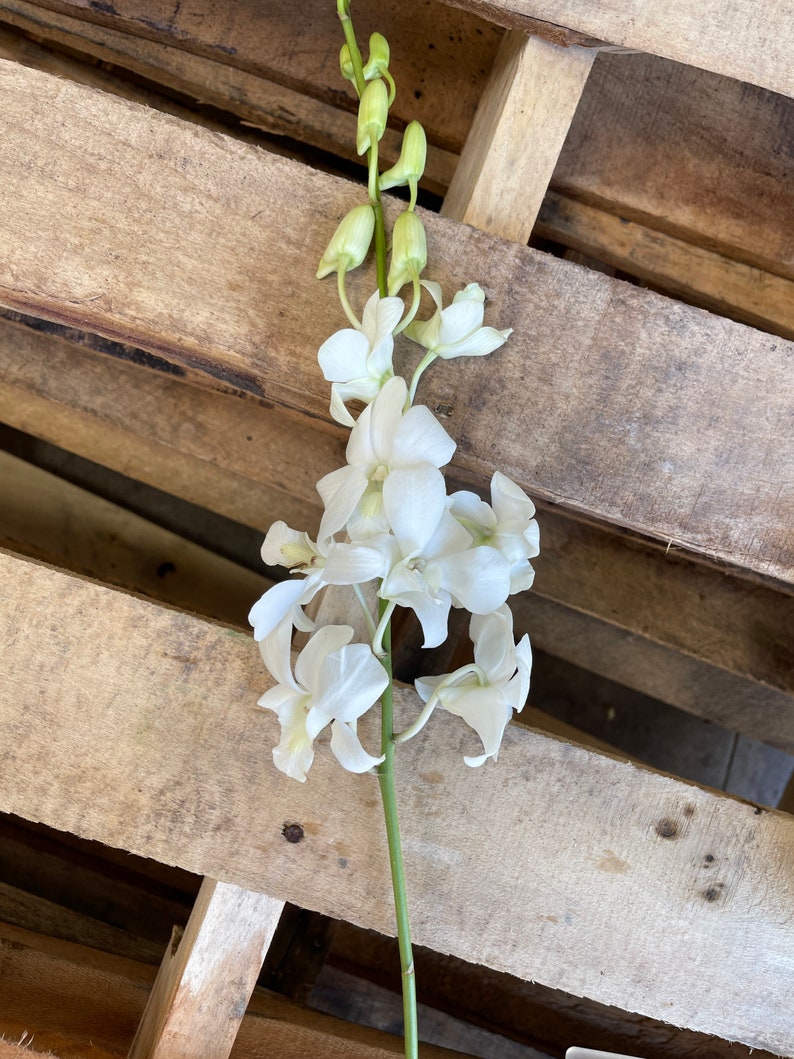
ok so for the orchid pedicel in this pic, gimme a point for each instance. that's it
(387, 517)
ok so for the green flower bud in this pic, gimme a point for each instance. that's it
(346, 64)
(373, 111)
(349, 243)
(411, 163)
(409, 251)
(378, 57)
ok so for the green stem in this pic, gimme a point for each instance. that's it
(389, 798)
(425, 362)
(342, 291)
(342, 8)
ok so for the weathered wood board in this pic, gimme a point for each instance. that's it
(83, 1003)
(682, 631)
(737, 38)
(611, 382)
(163, 753)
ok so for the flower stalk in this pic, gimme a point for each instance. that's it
(387, 519)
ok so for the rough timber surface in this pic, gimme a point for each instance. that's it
(737, 38)
(694, 636)
(109, 211)
(163, 753)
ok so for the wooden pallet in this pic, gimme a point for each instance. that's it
(655, 435)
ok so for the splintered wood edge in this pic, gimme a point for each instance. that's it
(609, 381)
(134, 725)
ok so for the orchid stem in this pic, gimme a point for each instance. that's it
(340, 286)
(408, 319)
(424, 363)
(389, 798)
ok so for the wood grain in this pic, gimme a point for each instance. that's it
(619, 377)
(512, 148)
(735, 38)
(203, 986)
(678, 267)
(164, 754)
(85, 1003)
(680, 150)
(694, 636)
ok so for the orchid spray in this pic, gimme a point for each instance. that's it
(387, 517)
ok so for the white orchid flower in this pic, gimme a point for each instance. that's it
(335, 682)
(358, 363)
(507, 523)
(385, 438)
(427, 562)
(485, 694)
(457, 331)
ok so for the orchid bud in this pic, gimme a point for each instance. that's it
(409, 251)
(346, 64)
(349, 243)
(411, 163)
(373, 112)
(378, 57)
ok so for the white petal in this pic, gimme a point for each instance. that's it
(432, 612)
(274, 606)
(414, 500)
(387, 414)
(475, 513)
(337, 407)
(277, 698)
(478, 579)
(359, 446)
(347, 748)
(275, 650)
(353, 564)
(458, 321)
(483, 341)
(340, 491)
(494, 649)
(522, 576)
(471, 292)
(352, 681)
(420, 438)
(434, 290)
(294, 753)
(309, 663)
(509, 500)
(388, 315)
(343, 356)
(484, 710)
(524, 660)
(426, 685)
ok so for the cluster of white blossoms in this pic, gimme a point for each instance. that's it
(387, 516)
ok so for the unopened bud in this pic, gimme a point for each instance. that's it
(409, 251)
(349, 243)
(346, 64)
(411, 163)
(378, 57)
(373, 112)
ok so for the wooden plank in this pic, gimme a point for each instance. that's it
(164, 754)
(694, 155)
(539, 1017)
(204, 984)
(48, 518)
(693, 273)
(715, 487)
(295, 46)
(521, 122)
(72, 997)
(702, 640)
(736, 39)
(718, 178)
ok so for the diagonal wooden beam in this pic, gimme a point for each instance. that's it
(518, 132)
(204, 984)
(135, 725)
